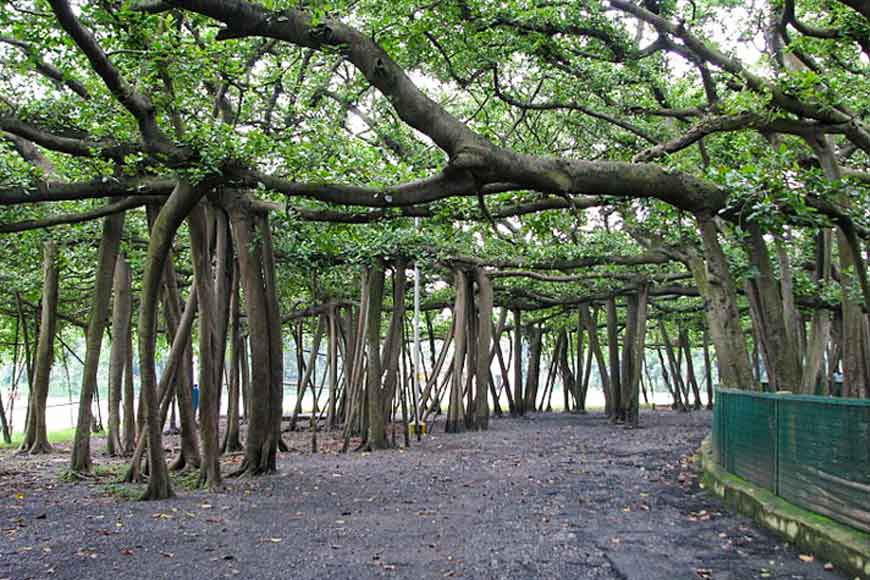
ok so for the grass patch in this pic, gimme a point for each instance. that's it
(187, 479)
(115, 470)
(62, 436)
(125, 491)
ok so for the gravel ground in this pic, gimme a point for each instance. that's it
(551, 496)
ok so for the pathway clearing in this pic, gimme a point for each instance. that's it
(550, 496)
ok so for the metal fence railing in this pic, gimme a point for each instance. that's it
(812, 451)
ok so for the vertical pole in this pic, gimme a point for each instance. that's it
(415, 352)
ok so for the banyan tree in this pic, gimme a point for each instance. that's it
(470, 206)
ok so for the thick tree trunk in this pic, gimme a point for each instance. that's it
(174, 211)
(691, 378)
(245, 368)
(568, 377)
(613, 359)
(584, 386)
(4, 425)
(578, 383)
(376, 437)
(455, 411)
(257, 270)
(591, 324)
(853, 273)
(820, 325)
(794, 326)
(519, 397)
(622, 411)
(189, 454)
(716, 284)
(533, 373)
(168, 381)
(129, 403)
(637, 317)
(470, 351)
(29, 353)
(393, 345)
(121, 311)
(780, 345)
(676, 375)
(35, 435)
(209, 374)
(232, 442)
(223, 273)
(273, 319)
(107, 256)
(332, 362)
(484, 340)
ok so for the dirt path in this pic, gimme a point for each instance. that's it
(546, 497)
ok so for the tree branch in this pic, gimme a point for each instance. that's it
(137, 104)
(75, 218)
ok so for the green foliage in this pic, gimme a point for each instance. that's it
(600, 93)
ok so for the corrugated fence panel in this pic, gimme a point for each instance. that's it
(751, 439)
(812, 451)
(824, 458)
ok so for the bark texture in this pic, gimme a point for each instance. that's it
(35, 435)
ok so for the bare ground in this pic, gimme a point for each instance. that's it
(551, 496)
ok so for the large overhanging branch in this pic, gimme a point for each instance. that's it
(838, 215)
(467, 150)
(75, 218)
(442, 186)
(616, 178)
(105, 187)
(30, 153)
(666, 291)
(67, 145)
(424, 211)
(637, 278)
(546, 301)
(727, 123)
(476, 167)
(571, 263)
(244, 19)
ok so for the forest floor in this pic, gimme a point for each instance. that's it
(549, 496)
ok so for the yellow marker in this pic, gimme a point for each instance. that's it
(413, 425)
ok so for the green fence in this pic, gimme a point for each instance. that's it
(812, 451)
